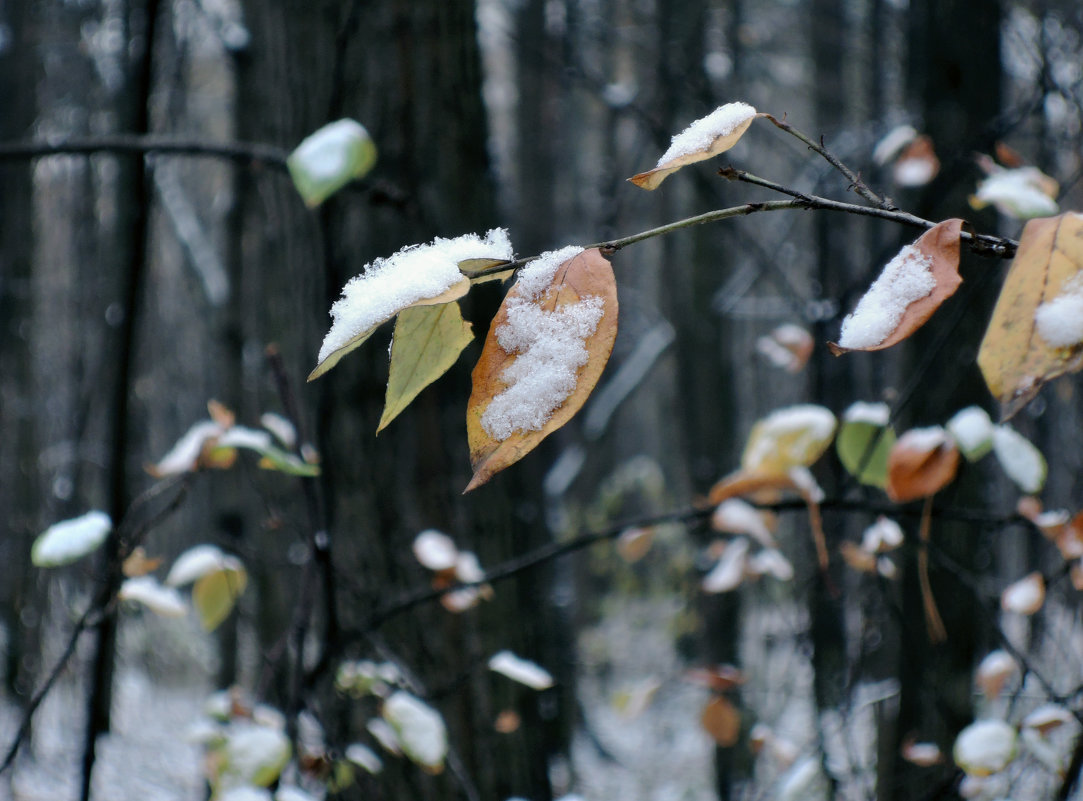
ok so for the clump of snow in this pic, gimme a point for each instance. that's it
(413, 274)
(985, 747)
(876, 414)
(521, 670)
(1060, 320)
(1021, 193)
(325, 154)
(698, 136)
(199, 561)
(69, 540)
(906, 279)
(883, 535)
(893, 143)
(550, 346)
(146, 590)
(435, 550)
(1024, 597)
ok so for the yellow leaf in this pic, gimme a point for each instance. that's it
(879, 321)
(456, 291)
(706, 137)
(1015, 358)
(582, 283)
(214, 595)
(428, 340)
(794, 436)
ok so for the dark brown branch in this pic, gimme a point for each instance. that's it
(247, 153)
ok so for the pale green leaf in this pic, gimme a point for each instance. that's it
(215, 594)
(330, 158)
(427, 342)
(863, 448)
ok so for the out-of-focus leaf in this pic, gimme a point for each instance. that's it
(521, 670)
(864, 442)
(917, 164)
(427, 342)
(923, 461)
(910, 288)
(994, 671)
(420, 730)
(722, 721)
(706, 137)
(69, 540)
(215, 594)
(729, 572)
(788, 346)
(1022, 193)
(1022, 462)
(1024, 597)
(1042, 292)
(794, 436)
(329, 158)
(985, 747)
(580, 285)
(146, 590)
(973, 432)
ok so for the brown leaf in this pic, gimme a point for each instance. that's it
(696, 143)
(583, 276)
(722, 721)
(634, 543)
(940, 244)
(1014, 358)
(917, 165)
(139, 564)
(923, 461)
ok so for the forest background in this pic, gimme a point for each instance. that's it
(148, 267)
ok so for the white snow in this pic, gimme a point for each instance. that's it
(905, 279)
(1060, 321)
(254, 754)
(146, 590)
(994, 671)
(735, 516)
(914, 171)
(364, 757)
(413, 274)
(973, 431)
(242, 437)
(69, 540)
(325, 153)
(184, 455)
(698, 136)
(1023, 463)
(550, 346)
(770, 562)
(1019, 193)
(876, 414)
(521, 670)
(420, 729)
(923, 440)
(1024, 597)
(282, 428)
(728, 574)
(984, 747)
(199, 561)
(883, 535)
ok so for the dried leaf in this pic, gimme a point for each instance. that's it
(923, 461)
(706, 137)
(427, 342)
(139, 564)
(735, 516)
(1015, 358)
(507, 721)
(789, 346)
(576, 281)
(1021, 193)
(722, 721)
(634, 543)
(911, 287)
(1047, 718)
(857, 558)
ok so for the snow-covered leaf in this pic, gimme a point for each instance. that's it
(1022, 462)
(1024, 597)
(883, 535)
(419, 275)
(728, 574)
(892, 143)
(69, 540)
(917, 164)
(922, 462)
(734, 516)
(973, 432)
(199, 561)
(435, 550)
(1022, 193)
(1049, 717)
(994, 671)
(704, 138)
(254, 754)
(364, 757)
(281, 428)
(634, 543)
(521, 670)
(985, 747)
(184, 456)
(215, 594)
(805, 781)
(543, 356)
(1036, 333)
(769, 562)
(329, 158)
(146, 590)
(421, 732)
(908, 290)
(788, 346)
(794, 436)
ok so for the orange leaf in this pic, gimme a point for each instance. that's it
(1024, 347)
(923, 461)
(880, 320)
(501, 434)
(722, 721)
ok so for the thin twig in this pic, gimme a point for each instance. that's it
(856, 183)
(250, 153)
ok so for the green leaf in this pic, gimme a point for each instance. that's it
(852, 444)
(428, 340)
(215, 594)
(471, 267)
(278, 459)
(330, 158)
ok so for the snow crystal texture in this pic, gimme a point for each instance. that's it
(698, 136)
(1060, 321)
(413, 274)
(550, 346)
(906, 278)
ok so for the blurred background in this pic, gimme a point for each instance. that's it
(138, 283)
